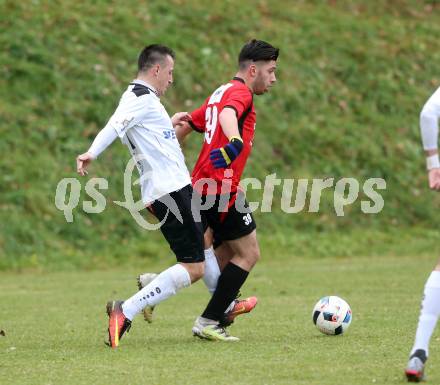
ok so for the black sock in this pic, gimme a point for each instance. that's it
(229, 283)
(420, 353)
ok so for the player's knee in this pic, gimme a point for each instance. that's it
(252, 255)
(208, 238)
(197, 271)
(256, 255)
(201, 269)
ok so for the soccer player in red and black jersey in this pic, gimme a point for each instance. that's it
(227, 119)
(231, 105)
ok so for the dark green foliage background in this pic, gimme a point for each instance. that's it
(352, 80)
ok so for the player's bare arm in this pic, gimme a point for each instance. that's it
(224, 156)
(182, 130)
(181, 126)
(229, 123)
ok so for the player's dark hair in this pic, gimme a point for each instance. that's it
(257, 50)
(153, 54)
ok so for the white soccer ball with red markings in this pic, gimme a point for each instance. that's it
(332, 315)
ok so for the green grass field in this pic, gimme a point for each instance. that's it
(55, 327)
(352, 78)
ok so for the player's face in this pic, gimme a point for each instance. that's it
(265, 76)
(165, 75)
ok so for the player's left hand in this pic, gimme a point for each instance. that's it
(180, 117)
(224, 156)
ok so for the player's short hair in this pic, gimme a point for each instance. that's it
(257, 50)
(153, 54)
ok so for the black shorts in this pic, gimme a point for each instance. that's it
(185, 238)
(229, 218)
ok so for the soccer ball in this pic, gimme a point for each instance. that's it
(332, 315)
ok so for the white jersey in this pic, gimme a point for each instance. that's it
(429, 118)
(145, 127)
(433, 103)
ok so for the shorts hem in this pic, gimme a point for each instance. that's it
(238, 235)
(190, 259)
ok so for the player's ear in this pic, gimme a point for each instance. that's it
(253, 70)
(156, 69)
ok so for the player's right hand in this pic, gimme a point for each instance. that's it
(180, 118)
(434, 179)
(82, 162)
(224, 156)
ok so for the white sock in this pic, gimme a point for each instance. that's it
(212, 271)
(166, 284)
(429, 313)
(206, 321)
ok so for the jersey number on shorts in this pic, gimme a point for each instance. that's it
(247, 219)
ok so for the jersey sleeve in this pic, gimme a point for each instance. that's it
(429, 119)
(239, 100)
(198, 118)
(104, 139)
(130, 111)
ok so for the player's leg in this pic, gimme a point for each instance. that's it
(235, 224)
(224, 254)
(186, 240)
(142, 281)
(245, 254)
(210, 277)
(212, 268)
(236, 227)
(165, 285)
(429, 314)
(213, 321)
(214, 263)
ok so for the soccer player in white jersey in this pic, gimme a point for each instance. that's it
(430, 309)
(143, 125)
